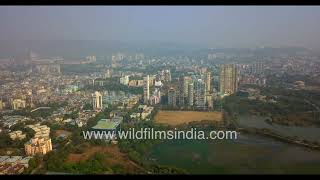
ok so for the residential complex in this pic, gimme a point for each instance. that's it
(41, 142)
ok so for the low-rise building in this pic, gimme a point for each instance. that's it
(17, 135)
(11, 169)
(25, 161)
(13, 160)
(3, 159)
(135, 115)
(116, 113)
(136, 83)
(142, 107)
(124, 80)
(16, 169)
(18, 104)
(144, 112)
(9, 121)
(40, 130)
(129, 102)
(4, 168)
(110, 125)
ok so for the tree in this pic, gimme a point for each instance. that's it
(32, 163)
(134, 156)
(87, 106)
(18, 126)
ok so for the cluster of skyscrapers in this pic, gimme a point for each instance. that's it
(155, 97)
(196, 91)
(192, 91)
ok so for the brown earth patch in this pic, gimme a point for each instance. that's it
(182, 117)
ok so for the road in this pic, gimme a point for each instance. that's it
(40, 108)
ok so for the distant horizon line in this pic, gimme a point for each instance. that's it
(171, 43)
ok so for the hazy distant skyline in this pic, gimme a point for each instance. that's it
(211, 26)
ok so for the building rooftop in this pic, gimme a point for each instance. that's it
(25, 159)
(13, 159)
(3, 158)
(107, 124)
(16, 169)
(142, 106)
(4, 167)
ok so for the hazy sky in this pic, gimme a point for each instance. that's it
(229, 26)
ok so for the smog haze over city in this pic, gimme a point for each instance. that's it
(159, 90)
(212, 26)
